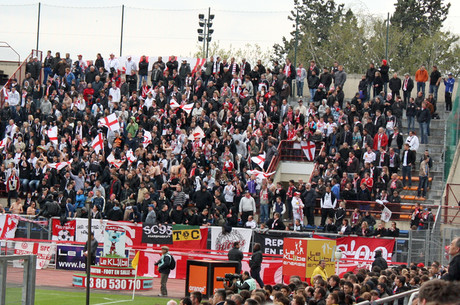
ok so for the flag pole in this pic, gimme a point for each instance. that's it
(135, 280)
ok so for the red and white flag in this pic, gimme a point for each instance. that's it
(309, 149)
(187, 107)
(98, 143)
(6, 94)
(260, 174)
(147, 138)
(130, 156)
(111, 122)
(197, 134)
(111, 159)
(259, 160)
(60, 165)
(173, 104)
(3, 142)
(53, 134)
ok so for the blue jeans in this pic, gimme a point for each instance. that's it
(33, 185)
(422, 184)
(264, 213)
(70, 209)
(24, 184)
(410, 123)
(434, 89)
(300, 88)
(407, 172)
(424, 132)
(369, 87)
(312, 94)
(141, 79)
(421, 87)
(47, 71)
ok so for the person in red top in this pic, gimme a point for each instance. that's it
(421, 77)
(228, 164)
(88, 93)
(380, 140)
(368, 180)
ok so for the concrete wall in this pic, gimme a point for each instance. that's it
(288, 170)
(9, 67)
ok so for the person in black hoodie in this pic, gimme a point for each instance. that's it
(143, 70)
(255, 263)
(177, 215)
(384, 69)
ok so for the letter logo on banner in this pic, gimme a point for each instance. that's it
(154, 234)
(184, 235)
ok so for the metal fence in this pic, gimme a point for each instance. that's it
(452, 133)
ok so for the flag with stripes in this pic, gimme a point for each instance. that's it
(130, 156)
(117, 163)
(98, 143)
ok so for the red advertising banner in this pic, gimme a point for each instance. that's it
(364, 248)
(271, 269)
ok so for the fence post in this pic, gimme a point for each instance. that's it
(409, 249)
(427, 246)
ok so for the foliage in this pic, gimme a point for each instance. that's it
(252, 53)
(415, 37)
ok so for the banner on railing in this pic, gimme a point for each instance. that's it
(72, 258)
(8, 226)
(44, 251)
(273, 241)
(183, 236)
(157, 234)
(223, 240)
(271, 269)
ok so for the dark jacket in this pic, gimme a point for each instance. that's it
(256, 260)
(454, 270)
(236, 255)
(275, 225)
(379, 261)
(164, 263)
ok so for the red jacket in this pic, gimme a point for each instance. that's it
(383, 141)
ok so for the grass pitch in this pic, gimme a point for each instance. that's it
(56, 297)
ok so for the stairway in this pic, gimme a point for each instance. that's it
(436, 148)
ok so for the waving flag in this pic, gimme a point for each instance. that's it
(147, 138)
(53, 134)
(3, 142)
(111, 122)
(186, 107)
(130, 156)
(309, 149)
(197, 134)
(117, 163)
(98, 143)
(60, 165)
(5, 93)
(260, 174)
(259, 160)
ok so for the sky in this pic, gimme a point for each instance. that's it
(156, 27)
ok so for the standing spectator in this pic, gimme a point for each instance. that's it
(395, 85)
(12, 186)
(453, 273)
(379, 261)
(411, 112)
(236, 255)
(143, 70)
(421, 77)
(255, 264)
(301, 74)
(93, 244)
(423, 118)
(435, 80)
(247, 207)
(407, 86)
(340, 77)
(328, 203)
(164, 268)
(309, 201)
(423, 178)
(370, 75)
(384, 69)
(449, 83)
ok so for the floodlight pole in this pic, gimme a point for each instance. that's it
(122, 22)
(207, 32)
(296, 38)
(88, 255)
(204, 39)
(388, 29)
(38, 24)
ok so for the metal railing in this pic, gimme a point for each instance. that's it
(287, 152)
(20, 72)
(28, 288)
(394, 299)
(452, 133)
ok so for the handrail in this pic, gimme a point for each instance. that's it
(391, 298)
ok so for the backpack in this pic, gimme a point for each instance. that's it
(172, 264)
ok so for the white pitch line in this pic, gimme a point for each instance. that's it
(115, 302)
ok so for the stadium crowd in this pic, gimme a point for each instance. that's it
(195, 166)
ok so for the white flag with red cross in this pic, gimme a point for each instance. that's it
(5, 93)
(111, 122)
(260, 174)
(117, 163)
(259, 160)
(130, 156)
(3, 142)
(197, 134)
(309, 149)
(98, 143)
(147, 138)
(59, 165)
(52, 134)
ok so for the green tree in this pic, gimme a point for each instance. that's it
(421, 17)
